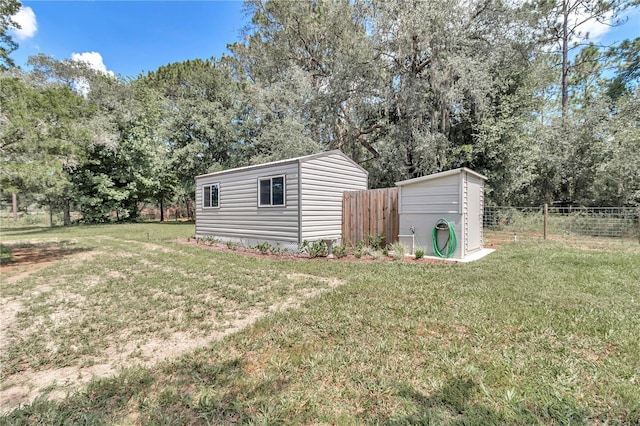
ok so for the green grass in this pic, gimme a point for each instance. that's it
(535, 333)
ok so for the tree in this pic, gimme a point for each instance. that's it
(565, 22)
(120, 167)
(626, 61)
(42, 140)
(309, 69)
(196, 120)
(8, 8)
(403, 90)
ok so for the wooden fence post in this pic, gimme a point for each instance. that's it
(546, 218)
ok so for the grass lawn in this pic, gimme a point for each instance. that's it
(535, 333)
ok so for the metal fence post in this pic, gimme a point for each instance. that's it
(546, 218)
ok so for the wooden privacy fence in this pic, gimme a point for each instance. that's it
(370, 212)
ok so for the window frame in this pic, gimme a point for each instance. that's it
(284, 191)
(210, 185)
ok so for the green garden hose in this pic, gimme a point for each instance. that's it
(452, 240)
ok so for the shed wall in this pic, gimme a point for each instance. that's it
(323, 181)
(475, 210)
(437, 196)
(239, 217)
(424, 224)
(422, 204)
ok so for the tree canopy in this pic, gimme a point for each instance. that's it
(514, 90)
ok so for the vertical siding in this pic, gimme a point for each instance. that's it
(370, 212)
(239, 216)
(323, 181)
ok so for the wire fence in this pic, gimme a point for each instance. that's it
(561, 222)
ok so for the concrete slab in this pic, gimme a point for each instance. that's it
(472, 257)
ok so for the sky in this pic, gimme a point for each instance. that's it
(127, 37)
(132, 37)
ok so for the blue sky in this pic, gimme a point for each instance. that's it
(130, 37)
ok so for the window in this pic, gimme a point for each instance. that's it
(211, 195)
(271, 191)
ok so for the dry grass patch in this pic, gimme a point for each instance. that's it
(129, 303)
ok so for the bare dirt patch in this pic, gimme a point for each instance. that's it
(31, 258)
(25, 386)
(125, 347)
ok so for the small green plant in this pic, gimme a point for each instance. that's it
(419, 253)
(264, 247)
(232, 245)
(398, 250)
(315, 248)
(6, 255)
(358, 254)
(367, 251)
(208, 240)
(375, 241)
(340, 251)
(360, 245)
(385, 251)
(278, 249)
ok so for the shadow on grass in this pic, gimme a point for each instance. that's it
(455, 404)
(28, 230)
(28, 254)
(171, 222)
(452, 404)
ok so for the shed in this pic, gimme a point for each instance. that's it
(456, 196)
(283, 202)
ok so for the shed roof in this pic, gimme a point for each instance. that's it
(286, 161)
(440, 175)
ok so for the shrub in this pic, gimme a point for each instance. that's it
(419, 253)
(367, 251)
(340, 251)
(264, 248)
(315, 248)
(6, 255)
(278, 249)
(375, 241)
(398, 249)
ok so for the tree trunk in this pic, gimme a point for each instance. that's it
(161, 210)
(50, 213)
(187, 203)
(67, 212)
(565, 55)
(14, 205)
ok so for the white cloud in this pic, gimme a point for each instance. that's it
(93, 59)
(27, 21)
(595, 29)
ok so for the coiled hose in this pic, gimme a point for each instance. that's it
(452, 240)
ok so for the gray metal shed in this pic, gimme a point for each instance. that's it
(454, 195)
(283, 202)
